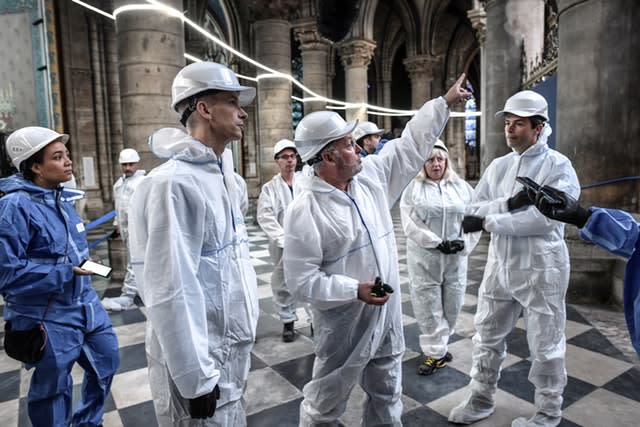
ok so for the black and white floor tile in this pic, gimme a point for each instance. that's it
(603, 387)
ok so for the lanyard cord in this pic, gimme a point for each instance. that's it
(233, 218)
(373, 249)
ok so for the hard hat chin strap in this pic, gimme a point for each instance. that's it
(185, 115)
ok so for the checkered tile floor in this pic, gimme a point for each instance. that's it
(603, 387)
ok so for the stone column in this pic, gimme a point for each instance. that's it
(273, 49)
(420, 69)
(597, 98)
(150, 53)
(356, 56)
(386, 99)
(478, 18)
(113, 97)
(510, 23)
(315, 52)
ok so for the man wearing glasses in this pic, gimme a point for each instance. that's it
(272, 204)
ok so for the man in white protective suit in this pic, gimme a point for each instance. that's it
(338, 240)
(527, 269)
(123, 189)
(190, 252)
(272, 205)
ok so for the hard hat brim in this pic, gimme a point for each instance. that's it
(321, 144)
(62, 137)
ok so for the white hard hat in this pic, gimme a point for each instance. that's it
(440, 144)
(366, 128)
(282, 145)
(318, 129)
(203, 76)
(526, 103)
(129, 155)
(27, 141)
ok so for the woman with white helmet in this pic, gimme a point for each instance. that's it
(432, 208)
(43, 242)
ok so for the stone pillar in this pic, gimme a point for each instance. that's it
(113, 95)
(510, 23)
(315, 53)
(273, 49)
(103, 147)
(150, 53)
(386, 99)
(478, 18)
(420, 69)
(597, 99)
(356, 56)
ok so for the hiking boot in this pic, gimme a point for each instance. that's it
(430, 364)
(538, 420)
(123, 302)
(288, 333)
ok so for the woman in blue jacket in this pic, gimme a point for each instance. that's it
(613, 230)
(42, 242)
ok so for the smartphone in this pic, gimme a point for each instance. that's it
(94, 267)
(532, 185)
(528, 183)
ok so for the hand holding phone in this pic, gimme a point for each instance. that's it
(94, 267)
(531, 185)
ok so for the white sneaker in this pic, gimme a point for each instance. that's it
(538, 420)
(123, 302)
(472, 409)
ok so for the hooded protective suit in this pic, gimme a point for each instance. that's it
(333, 241)
(527, 272)
(122, 192)
(190, 252)
(617, 232)
(432, 212)
(272, 204)
(41, 239)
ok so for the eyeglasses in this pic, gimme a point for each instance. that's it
(286, 156)
(351, 143)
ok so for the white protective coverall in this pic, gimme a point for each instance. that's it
(190, 252)
(432, 212)
(527, 272)
(122, 192)
(333, 241)
(272, 205)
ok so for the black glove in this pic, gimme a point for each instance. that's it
(456, 246)
(471, 223)
(450, 246)
(444, 247)
(521, 199)
(380, 289)
(558, 205)
(204, 406)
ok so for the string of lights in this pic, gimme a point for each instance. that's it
(269, 72)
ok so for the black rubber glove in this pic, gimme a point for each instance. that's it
(471, 223)
(444, 247)
(380, 289)
(520, 200)
(558, 205)
(456, 246)
(204, 406)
